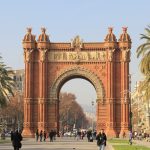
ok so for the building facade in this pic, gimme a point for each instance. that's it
(49, 65)
(140, 110)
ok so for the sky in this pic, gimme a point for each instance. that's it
(64, 19)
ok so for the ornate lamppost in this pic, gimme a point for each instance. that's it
(92, 115)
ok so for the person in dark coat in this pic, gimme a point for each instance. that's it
(101, 140)
(16, 140)
(51, 135)
(44, 135)
(41, 135)
(89, 135)
(37, 135)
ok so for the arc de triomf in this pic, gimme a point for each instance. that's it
(49, 65)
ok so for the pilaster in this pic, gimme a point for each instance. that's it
(110, 47)
(125, 45)
(43, 46)
(29, 48)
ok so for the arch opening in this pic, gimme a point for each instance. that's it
(77, 106)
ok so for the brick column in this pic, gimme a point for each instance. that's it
(110, 130)
(42, 104)
(124, 91)
(28, 95)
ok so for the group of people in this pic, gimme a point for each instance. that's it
(42, 135)
(16, 139)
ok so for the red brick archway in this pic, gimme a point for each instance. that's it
(49, 65)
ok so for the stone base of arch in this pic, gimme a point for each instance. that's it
(124, 130)
(28, 133)
(111, 133)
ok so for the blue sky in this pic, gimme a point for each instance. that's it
(65, 19)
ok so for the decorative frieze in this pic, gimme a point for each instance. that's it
(82, 56)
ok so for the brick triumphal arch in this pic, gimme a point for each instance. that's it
(49, 65)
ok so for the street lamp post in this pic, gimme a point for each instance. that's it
(92, 115)
(130, 113)
(67, 118)
(19, 111)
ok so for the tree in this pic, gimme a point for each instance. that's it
(6, 83)
(143, 51)
(71, 113)
(13, 111)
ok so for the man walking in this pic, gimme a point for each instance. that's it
(101, 140)
(16, 140)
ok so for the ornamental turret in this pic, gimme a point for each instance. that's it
(110, 39)
(43, 40)
(125, 40)
(29, 41)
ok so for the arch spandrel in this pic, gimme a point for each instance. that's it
(80, 72)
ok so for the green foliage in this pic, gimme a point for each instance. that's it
(6, 83)
(143, 51)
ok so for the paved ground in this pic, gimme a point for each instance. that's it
(59, 144)
(143, 143)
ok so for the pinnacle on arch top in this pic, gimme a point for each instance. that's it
(29, 37)
(110, 30)
(124, 37)
(110, 37)
(29, 30)
(124, 29)
(43, 37)
(43, 30)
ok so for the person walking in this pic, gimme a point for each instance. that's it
(51, 135)
(44, 135)
(89, 135)
(130, 137)
(37, 135)
(101, 140)
(16, 140)
(41, 135)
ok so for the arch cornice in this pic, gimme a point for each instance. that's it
(77, 72)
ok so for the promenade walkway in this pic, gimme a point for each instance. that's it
(59, 144)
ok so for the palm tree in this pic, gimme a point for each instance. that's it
(6, 83)
(143, 51)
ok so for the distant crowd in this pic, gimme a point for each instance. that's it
(42, 135)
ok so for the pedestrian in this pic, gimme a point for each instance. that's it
(89, 135)
(51, 135)
(41, 135)
(16, 140)
(130, 137)
(11, 135)
(37, 135)
(54, 134)
(44, 135)
(101, 140)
